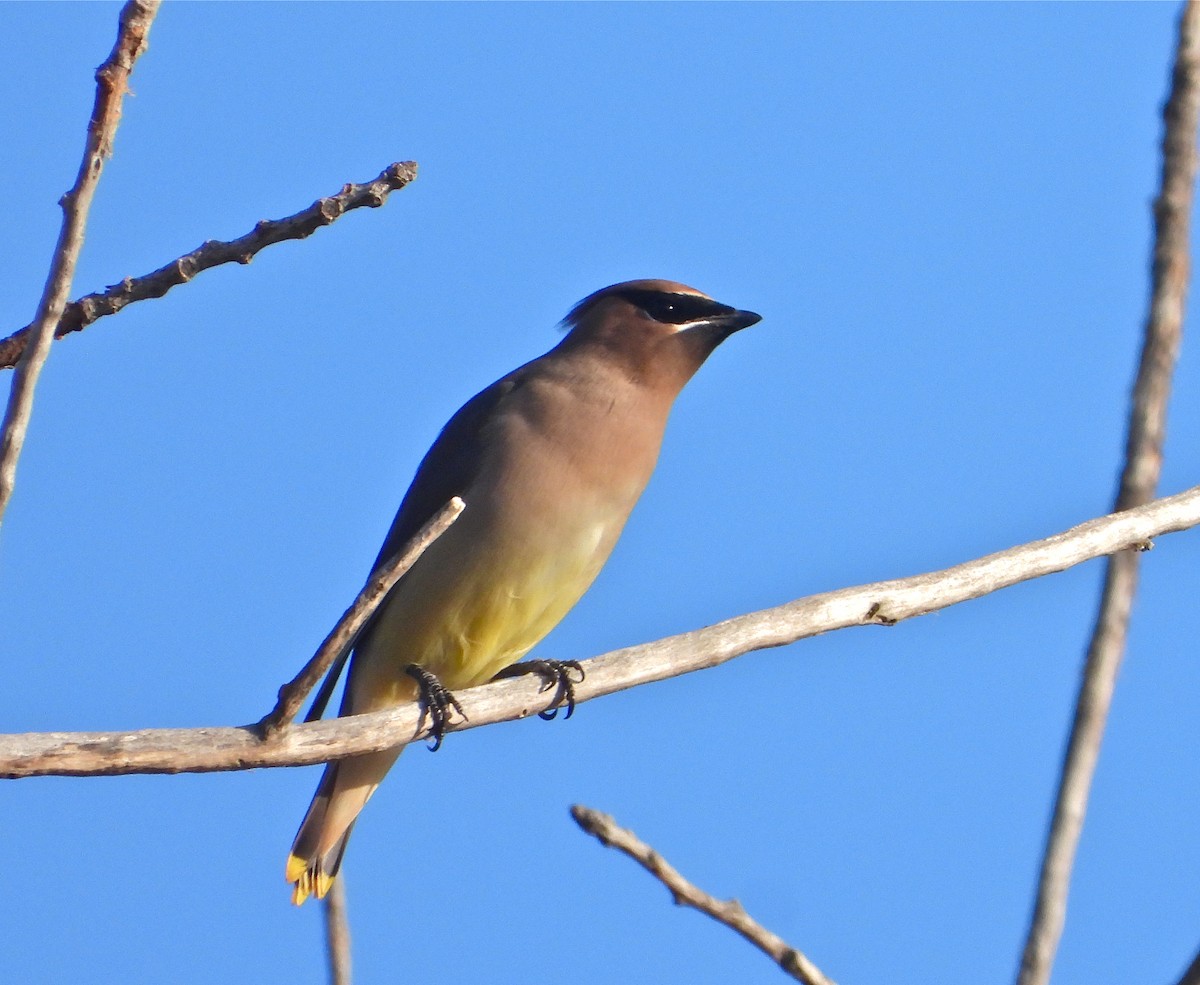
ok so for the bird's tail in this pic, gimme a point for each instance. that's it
(344, 790)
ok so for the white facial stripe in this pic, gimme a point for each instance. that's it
(692, 324)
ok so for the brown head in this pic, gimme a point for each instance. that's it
(658, 331)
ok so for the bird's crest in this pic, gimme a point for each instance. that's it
(635, 291)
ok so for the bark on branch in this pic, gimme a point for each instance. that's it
(112, 82)
(1191, 975)
(729, 912)
(1139, 479)
(337, 933)
(343, 635)
(882, 603)
(79, 314)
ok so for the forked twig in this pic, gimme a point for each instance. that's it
(342, 636)
(112, 82)
(79, 314)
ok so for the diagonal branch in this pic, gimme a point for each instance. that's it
(1191, 976)
(729, 912)
(112, 82)
(1139, 479)
(343, 635)
(79, 314)
(201, 750)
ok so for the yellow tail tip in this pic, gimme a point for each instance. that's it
(296, 867)
(308, 879)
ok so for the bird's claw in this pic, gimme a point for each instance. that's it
(438, 700)
(554, 674)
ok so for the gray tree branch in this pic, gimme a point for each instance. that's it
(79, 314)
(112, 82)
(729, 912)
(882, 603)
(1139, 479)
(1191, 975)
(337, 932)
(342, 636)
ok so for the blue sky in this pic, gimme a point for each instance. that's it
(941, 211)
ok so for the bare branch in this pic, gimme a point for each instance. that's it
(201, 750)
(1192, 975)
(337, 932)
(79, 314)
(1139, 479)
(112, 82)
(729, 912)
(342, 636)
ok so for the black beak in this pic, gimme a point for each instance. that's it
(737, 320)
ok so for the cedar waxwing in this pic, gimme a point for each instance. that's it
(549, 461)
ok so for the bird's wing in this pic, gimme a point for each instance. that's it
(448, 468)
(446, 471)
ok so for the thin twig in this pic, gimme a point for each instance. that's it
(729, 912)
(337, 932)
(112, 82)
(883, 603)
(1139, 479)
(79, 314)
(342, 636)
(1192, 975)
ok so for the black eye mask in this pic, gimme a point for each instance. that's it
(676, 309)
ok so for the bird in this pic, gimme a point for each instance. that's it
(549, 460)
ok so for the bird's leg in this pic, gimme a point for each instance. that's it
(438, 701)
(554, 674)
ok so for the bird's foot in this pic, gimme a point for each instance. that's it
(438, 701)
(554, 674)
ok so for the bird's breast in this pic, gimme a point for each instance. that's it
(541, 518)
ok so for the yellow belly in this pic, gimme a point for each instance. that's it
(466, 613)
